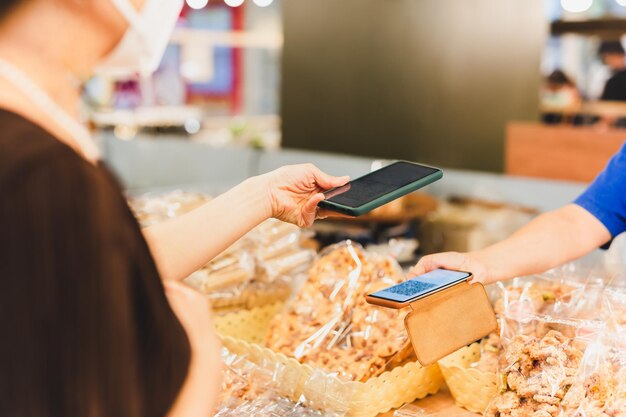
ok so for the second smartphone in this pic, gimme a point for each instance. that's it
(403, 294)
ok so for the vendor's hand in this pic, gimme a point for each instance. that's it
(194, 313)
(295, 191)
(466, 262)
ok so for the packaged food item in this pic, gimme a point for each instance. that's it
(600, 388)
(550, 330)
(330, 326)
(252, 390)
(465, 224)
(537, 365)
(262, 267)
(151, 208)
(223, 272)
(489, 354)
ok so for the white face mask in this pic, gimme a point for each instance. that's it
(145, 40)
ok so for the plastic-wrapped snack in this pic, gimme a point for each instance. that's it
(536, 373)
(278, 250)
(273, 230)
(288, 239)
(489, 354)
(224, 271)
(288, 264)
(600, 388)
(526, 297)
(330, 326)
(150, 209)
(250, 389)
(270, 405)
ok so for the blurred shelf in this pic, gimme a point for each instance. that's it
(591, 108)
(153, 116)
(605, 28)
(235, 39)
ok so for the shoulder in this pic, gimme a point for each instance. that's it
(617, 164)
(27, 150)
(618, 77)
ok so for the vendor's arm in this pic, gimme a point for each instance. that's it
(552, 238)
(182, 245)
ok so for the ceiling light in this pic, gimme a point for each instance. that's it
(576, 6)
(197, 4)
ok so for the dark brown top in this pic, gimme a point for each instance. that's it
(85, 327)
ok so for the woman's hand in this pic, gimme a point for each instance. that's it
(295, 191)
(194, 313)
(466, 262)
(199, 394)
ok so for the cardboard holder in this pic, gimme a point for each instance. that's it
(443, 323)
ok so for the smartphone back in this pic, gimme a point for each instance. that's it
(442, 323)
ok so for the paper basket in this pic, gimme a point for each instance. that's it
(242, 332)
(471, 388)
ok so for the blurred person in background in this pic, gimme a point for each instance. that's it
(554, 238)
(558, 95)
(89, 327)
(614, 57)
(611, 60)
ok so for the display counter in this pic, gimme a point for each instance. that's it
(299, 338)
(571, 153)
(146, 163)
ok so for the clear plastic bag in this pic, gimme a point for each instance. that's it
(264, 266)
(600, 386)
(261, 267)
(489, 354)
(536, 371)
(330, 326)
(153, 208)
(555, 330)
(599, 389)
(226, 271)
(257, 390)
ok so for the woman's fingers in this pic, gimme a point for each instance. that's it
(326, 181)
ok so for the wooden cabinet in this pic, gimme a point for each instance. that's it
(559, 152)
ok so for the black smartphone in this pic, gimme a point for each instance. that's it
(377, 188)
(403, 294)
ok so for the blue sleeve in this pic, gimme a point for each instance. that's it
(605, 198)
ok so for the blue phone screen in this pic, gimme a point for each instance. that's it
(421, 285)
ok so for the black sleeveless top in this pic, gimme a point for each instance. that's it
(85, 327)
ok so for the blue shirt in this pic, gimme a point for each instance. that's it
(605, 198)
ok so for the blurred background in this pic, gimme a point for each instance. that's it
(521, 102)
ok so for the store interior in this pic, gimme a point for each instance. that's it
(516, 101)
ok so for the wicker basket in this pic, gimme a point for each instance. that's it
(471, 388)
(242, 329)
(248, 325)
(355, 399)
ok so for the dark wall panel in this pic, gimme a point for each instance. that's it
(428, 80)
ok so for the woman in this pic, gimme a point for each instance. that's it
(596, 217)
(86, 326)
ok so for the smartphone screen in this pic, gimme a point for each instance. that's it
(378, 183)
(421, 285)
